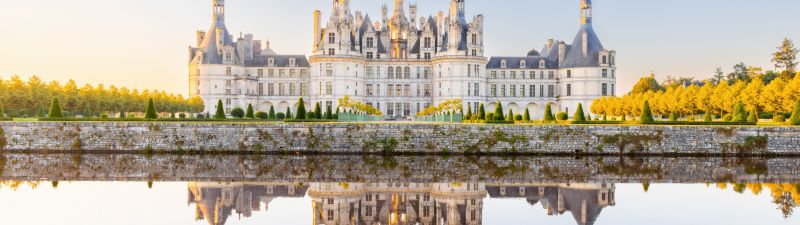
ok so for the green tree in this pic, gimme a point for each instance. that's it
(271, 114)
(739, 113)
(526, 116)
(647, 115)
(55, 109)
(579, 116)
(301, 110)
(753, 117)
(250, 114)
(237, 113)
(220, 114)
(288, 113)
(708, 117)
(262, 115)
(469, 114)
(740, 72)
(718, 76)
(548, 114)
(328, 113)
(795, 119)
(481, 113)
(318, 111)
(786, 58)
(2, 113)
(510, 117)
(150, 112)
(498, 112)
(562, 116)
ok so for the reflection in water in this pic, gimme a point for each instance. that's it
(398, 203)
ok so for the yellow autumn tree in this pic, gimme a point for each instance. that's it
(772, 97)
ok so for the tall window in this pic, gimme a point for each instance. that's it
(605, 72)
(390, 73)
(532, 90)
(494, 90)
(427, 42)
(569, 89)
(522, 90)
(474, 39)
(331, 51)
(328, 88)
(407, 73)
(370, 55)
(469, 70)
(369, 72)
(605, 89)
(260, 88)
(292, 89)
(228, 71)
(370, 42)
(569, 73)
(551, 75)
(369, 90)
(474, 52)
(332, 38)
(541, 90)
(427, 55)
(513, 90)
(260, 72)
(390, 90)
(503, 90)
(271, 89)
(551, 91)
(329, 69)
(477, 89)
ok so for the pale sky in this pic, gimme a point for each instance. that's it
(143, 43)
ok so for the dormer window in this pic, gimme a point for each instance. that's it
(332, 38)
(503, 64)
(522, 64)
(370, 42)
(542, 64)
(292, 62)
(270, 62)
(605, 59)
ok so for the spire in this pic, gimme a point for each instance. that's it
(219, 11)
(586, 12)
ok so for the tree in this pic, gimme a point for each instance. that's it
(786, 58)
(318, 111)
(237, 113)
(740, 73)
(771, 99)
(562, 116)
(647, 115)
(250, 114)
(579, 115)
(301, 110)
(548, 114)
(481, 113)
(708, 117)
(469, 113)
(262, 115)
(271, 114)
(645, 84)
(498, 112)
(795, 119)
(328, 113)
(220, 114)
(739, 113)
(753, 117)
(526, 116)
(55, 110)
(510, 117)
(288, 113)
(718, 76)
(2, 113)
(150, 112)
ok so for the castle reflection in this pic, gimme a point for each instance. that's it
(453, 203)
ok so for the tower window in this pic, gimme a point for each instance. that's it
(474, 39)
(569, 89)
(605, 72)
(332, 38)
(605, 89)
(427, 43)
(370, 42)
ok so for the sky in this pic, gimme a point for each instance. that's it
(144, 43)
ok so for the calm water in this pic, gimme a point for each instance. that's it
(172, 189)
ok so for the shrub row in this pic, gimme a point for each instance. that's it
(6, 119)
(142, 120)
(700, 123)
(598, 122)
(309, 121)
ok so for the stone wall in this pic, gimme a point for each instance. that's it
(377, 168)
(397, 138)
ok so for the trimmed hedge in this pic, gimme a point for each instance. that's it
(687, 123)
(139, 120)
(598, 122)
(6, 119)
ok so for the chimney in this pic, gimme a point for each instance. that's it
(317, 29)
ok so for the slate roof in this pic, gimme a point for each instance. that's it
(575, 56)
(280, 61)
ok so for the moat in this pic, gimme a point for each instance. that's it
(374, 189)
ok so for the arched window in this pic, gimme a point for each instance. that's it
(522, 64)
(407, 73)
(503, 64)
(390, 73)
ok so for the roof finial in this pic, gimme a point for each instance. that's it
(586, 12)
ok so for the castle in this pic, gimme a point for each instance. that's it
(400, 65)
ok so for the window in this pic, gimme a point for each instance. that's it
(551, 91)
(418, 72)
(407, 90)
(369, 210)
(532, 90)
(474, 52)
(474, 39)
(604, 89)
(494, 74)
(271, 72)
(332, 38)
(469, 70)
(407, 73)
(503, 74)
(370, 55)
(522, 64)
(369, 198)
(369, 90)
(513, 74)
(260, 72)
(330, 214)
(331, 51)
(328, 88)
(292, 88)
(522, 90)
(551, 75)
(541, 90)
(271, 89)
(605, 59)
(612, 90)
(228, 71)
(390, 90)
(569, 73)
(473, 215)
(569, 89)
(426, 211)
(369, 72)
(513, 90)
(370, 42)
(292, 73)
(281, 89)
(612, 73)
(260, 88)
(390, 73)
(427, 42)
(503, 90)
(503, 64)
(281, 73)
(428, 72)
(427, 55)
(428, 90)
(469, 89)
(477, 91)
(303, 89)
(494, 90)
(329, 70)
(605, 72)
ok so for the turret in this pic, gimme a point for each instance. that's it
(457, 11)
(586, 12)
